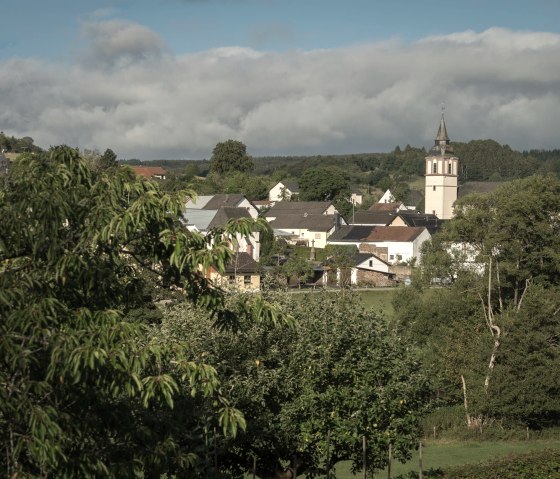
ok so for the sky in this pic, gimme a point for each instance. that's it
(171, 78)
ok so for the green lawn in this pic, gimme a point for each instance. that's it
(446, 454)
(379, 300)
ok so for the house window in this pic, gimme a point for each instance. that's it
(434, 169)
(370, 263)
(391, 256)
(399, 257)
(434, 188)
(246, 279)
(231, 278)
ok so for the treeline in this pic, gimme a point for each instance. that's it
(480, 160)
(17, 145)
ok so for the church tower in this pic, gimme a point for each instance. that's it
(442, 168)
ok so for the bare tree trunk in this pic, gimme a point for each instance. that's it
(499, 287)
(467, 415)
(494, 329)
(527, 284)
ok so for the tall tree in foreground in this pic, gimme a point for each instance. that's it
(230, 156)
(83, 392)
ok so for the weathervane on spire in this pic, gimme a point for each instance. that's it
(442, 107)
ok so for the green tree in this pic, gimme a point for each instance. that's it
(342, 258)
(85, 393)
(230, 156)
(526, 380)
(324, 184)
(311, 392)
(502, 251)
(253, 187)
(298, 268)
(108, 160)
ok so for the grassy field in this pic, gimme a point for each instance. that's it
(379, 300)
(445, 454)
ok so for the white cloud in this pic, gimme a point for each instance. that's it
(130, 94)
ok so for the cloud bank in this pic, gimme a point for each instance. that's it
(127, 92)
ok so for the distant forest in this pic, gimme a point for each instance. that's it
(480, 160)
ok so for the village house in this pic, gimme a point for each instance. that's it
(214, 202)
(284, 190)
(403, 243)
(241, 273)
(367, 270)
(207, 213)
(304, 222)
(150, 172)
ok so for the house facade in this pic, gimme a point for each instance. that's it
(403, 243)
(284, 190)
(242, 273)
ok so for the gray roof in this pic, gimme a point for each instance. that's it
(382, 218)
(312, 222)
(242, 263)
(395, 233)
(226, 213)
(298, 207)
(199, 218)
(292, 185)
(351, 233)
(223, 200)
(417, 219)
(199, 202)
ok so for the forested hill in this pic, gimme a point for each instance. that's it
(488, 160)
(480, 160)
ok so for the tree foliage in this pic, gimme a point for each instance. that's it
(84, 391)
(311, 392)
(324, 184)
(230, 156)
(490, 336)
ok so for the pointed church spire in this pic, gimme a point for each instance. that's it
(442, 139)
(442, 131)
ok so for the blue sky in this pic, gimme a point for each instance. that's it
(51, 29)
(170, 78)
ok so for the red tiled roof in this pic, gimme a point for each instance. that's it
(149, 171)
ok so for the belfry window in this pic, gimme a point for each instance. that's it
(434, 169)
(449, 169)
